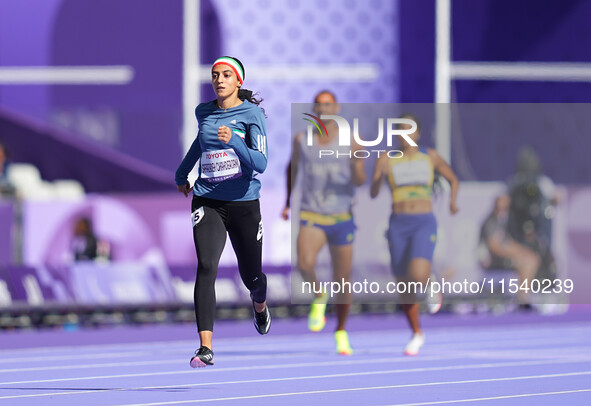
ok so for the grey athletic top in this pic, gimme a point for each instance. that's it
(327, 187)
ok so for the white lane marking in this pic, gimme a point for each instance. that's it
(273, 395)
(245, 368)
(552, 354)
(515, 343)
(522, 395)
(46, 358)
(449, 333)
(368, 373)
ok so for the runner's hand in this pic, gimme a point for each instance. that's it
(184, 189)
(224, 134)
(285, 213)
(453, 209)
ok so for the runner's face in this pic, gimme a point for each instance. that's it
(414, 136)
(325, 104)
(224, 81)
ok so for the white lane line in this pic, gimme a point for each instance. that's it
(342, 375)
(261, 354)
(46, 358)
(522, 395)
(417, 385)
(500, 354)
(553, 353)
(168, 361)
(515, 343)
(245, 368)
(529, 343)
(450, 333)
(556, 353)
(89, 366)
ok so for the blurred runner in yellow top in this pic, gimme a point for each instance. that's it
(413, 229)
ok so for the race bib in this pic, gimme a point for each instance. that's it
(417, 172)
(220, 165)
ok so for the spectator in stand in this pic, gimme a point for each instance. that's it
(533, 206)
(85, 243)
(497, 250)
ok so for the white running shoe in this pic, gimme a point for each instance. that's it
(415, 344)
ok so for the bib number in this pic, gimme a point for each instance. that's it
(220, 165)
(412, 173)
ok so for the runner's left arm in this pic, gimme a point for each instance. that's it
(445, 170)
(255, 155)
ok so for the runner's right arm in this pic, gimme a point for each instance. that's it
(186, 166)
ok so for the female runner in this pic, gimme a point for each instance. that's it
(232, 148)
(412, 231)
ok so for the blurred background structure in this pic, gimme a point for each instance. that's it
(96, 112)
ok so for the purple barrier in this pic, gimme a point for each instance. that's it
(152, 251)
(152, 229)
(119, 283)
(86, 283)
(153, 254)
(229, 286)
(133, 226)
(5, 288)
(34, 286)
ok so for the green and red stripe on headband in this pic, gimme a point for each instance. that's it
(232, 63)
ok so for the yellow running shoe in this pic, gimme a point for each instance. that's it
(316, 318)
(342, 339)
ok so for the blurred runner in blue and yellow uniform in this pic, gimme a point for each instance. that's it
(412, 232)
(328, 188)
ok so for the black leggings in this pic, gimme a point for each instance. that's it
(242, 221)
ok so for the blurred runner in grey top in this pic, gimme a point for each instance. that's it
(330, 175)
(326, 185)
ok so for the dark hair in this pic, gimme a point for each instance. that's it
(413, 118)
(86, 221)
(245, 94)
